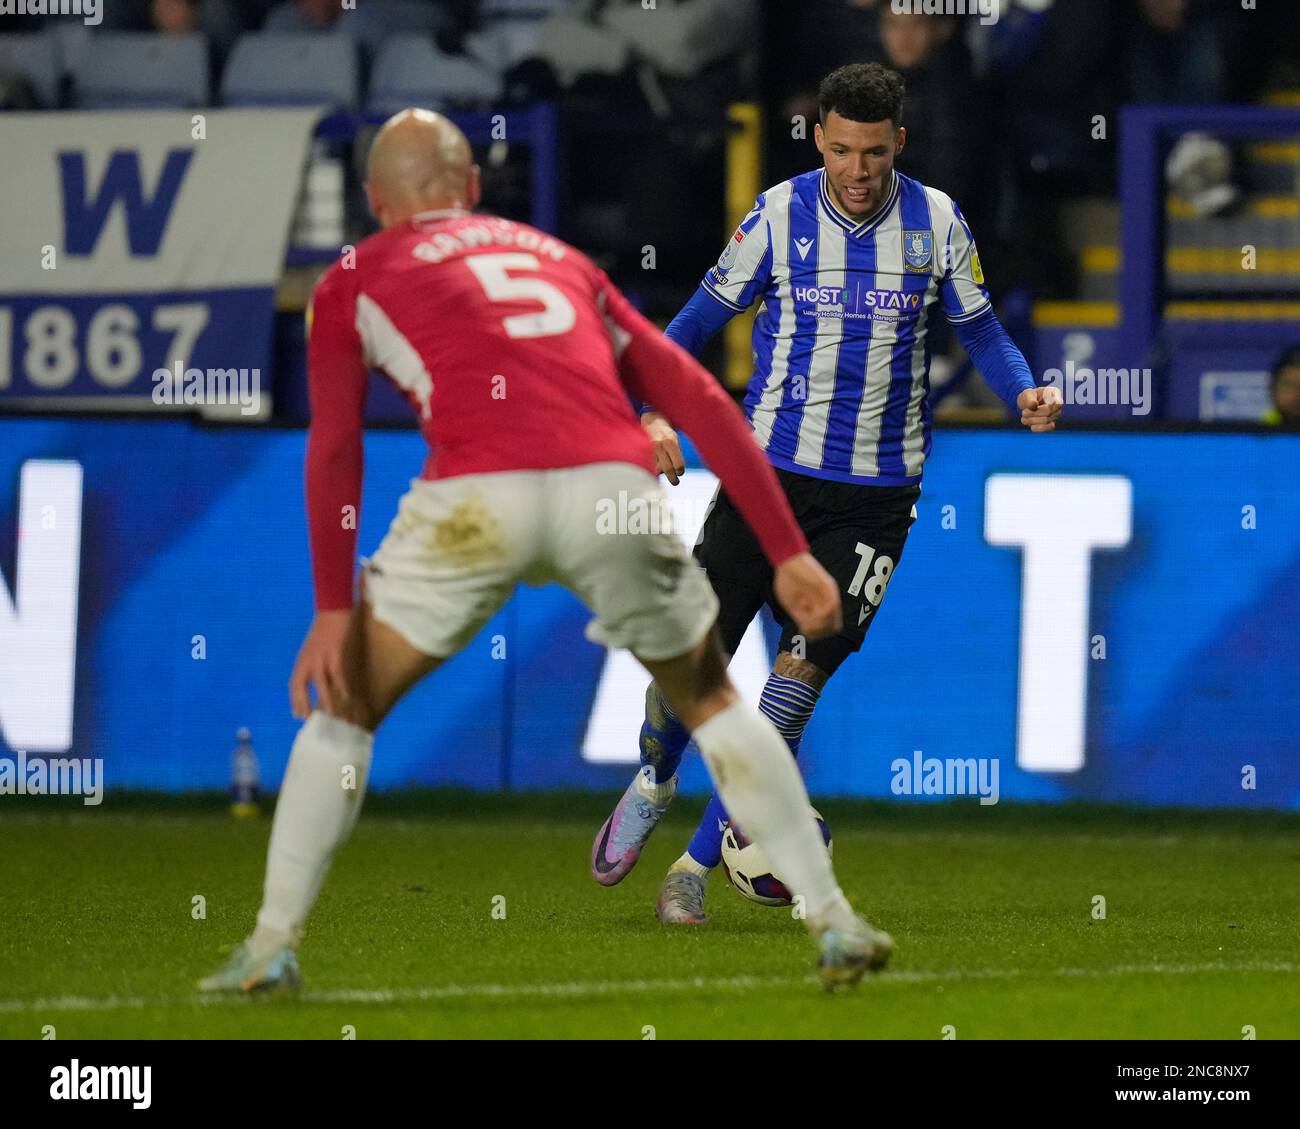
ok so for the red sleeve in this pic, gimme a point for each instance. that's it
(336, 380)
(657, 371)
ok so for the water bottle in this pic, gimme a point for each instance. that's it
(244, 777)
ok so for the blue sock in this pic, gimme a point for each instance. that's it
(788, 704)
(706, 844)
(663, 738)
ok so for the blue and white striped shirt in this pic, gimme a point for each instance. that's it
(841, 358)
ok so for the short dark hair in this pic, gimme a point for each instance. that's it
(862, 92)
(1289, 358)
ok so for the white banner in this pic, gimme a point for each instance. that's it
(140, 241)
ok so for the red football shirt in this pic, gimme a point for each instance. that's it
(517, 353)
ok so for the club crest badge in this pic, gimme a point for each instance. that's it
(918, 250)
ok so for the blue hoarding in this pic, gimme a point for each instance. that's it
(1109, 616)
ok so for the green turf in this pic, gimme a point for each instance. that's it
(991, 909)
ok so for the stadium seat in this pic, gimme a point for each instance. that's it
(35, 58)
(413, 72)
(291, 69)
(141, 70)
(72, 42)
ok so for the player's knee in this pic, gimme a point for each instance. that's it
(710, 679)
(358, 710)
(696, 685)
(702, 702)
(367, 719)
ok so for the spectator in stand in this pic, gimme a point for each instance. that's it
(503, 35)
(1053, 79)
(583, 44)
(684, 67)
(1285, 412)
(175, 17)
(1180, 51)
(941, 108)
(369, 23)
(224, 18)
(648, 90)
(220, 20)
(1273, 59)
(807, 38)
(942, 100)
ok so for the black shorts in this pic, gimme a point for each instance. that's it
(856, 532)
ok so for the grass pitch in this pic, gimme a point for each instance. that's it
(992, 910)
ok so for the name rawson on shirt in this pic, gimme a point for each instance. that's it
(885, 305)
(443, 244)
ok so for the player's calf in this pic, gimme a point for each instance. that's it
(788, 700)
(761, 787)
(618, 843)
(663, 737)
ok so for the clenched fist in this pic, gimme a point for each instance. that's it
(1040, 408)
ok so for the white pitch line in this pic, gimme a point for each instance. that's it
(578, 989)
(552, 991)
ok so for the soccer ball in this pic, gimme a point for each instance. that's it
(749, 871)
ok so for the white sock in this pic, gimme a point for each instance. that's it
(317, 809)
(688, 864)
(763, 792)
(657, 794)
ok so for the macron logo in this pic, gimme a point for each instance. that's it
(804, 246)
(102, 1083)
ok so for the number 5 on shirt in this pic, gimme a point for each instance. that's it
(492, 273)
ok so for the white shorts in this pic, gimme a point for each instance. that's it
(459, 546)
